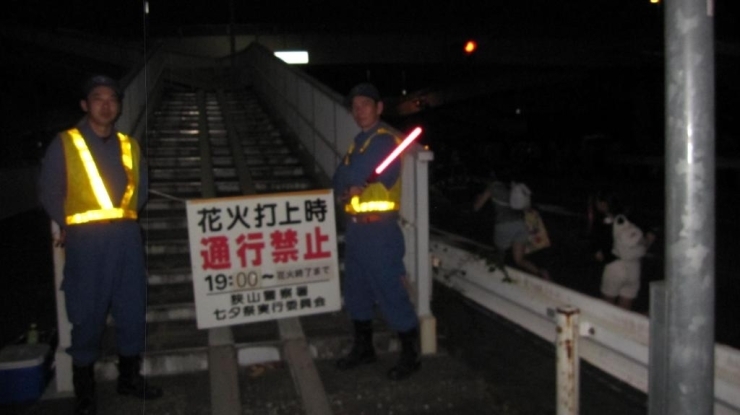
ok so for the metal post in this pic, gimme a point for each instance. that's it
(568, 367)
(62, 360)
(423, 265)
(658, 362)
(690, 184)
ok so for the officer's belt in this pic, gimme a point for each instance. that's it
(105, 222)
(373, 217)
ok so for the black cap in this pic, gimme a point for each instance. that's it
(101, 80)
(364, 89)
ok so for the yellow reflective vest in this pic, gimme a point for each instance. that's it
(375, 197)
(87, 198)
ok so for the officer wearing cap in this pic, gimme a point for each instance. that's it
(374, 245)
(93, 182)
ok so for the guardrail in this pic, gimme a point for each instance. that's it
(612, 339)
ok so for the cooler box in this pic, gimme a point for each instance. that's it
(23, 372)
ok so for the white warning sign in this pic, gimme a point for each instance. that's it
(263, 257)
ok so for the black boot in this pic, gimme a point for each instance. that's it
(409, 361)
(130, 381)
(83, 379)
(362, 351)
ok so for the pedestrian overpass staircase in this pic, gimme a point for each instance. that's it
(203, 144)
(189, 126)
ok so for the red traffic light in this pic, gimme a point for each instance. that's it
(470, 47)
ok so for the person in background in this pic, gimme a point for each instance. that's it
(620, 277)
(603, 206)
(374, 246)
(93, 182)
(510, 234)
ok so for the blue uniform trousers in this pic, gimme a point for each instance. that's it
(375, 273)
(105, 273)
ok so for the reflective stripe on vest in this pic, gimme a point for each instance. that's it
(375, 197)
(90, 201)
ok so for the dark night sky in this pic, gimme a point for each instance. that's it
(504, 18)
(500, 19)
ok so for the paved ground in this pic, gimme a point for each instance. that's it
(486, 365)
(445, 386)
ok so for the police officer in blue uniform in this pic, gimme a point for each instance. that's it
(93, 182)
(374, 245)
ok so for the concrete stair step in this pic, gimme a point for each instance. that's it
(265, 150)
(154, 152)
(172, 119)
(177, 112)
(159, 223)
(192, 190)
(174, 162)
(259, 172)
(162, 337)
(178, 131)
(276, 186)
(166, 247)
(170, 276)
(265, 145)
(193, 187)
(178, 346)
(154, 221)
(220, 151)
(256, 135)
(180, 110)
(189, 360)
(163, 207)
(170, 312)
(158, 237)
(181, 173)
(162, 295)
(190, 185)
(177, 141)
(270, 160)
(218, 138)
(173, 362)
(174, 343)
(167, 262)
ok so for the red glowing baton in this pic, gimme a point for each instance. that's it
(388, 160)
